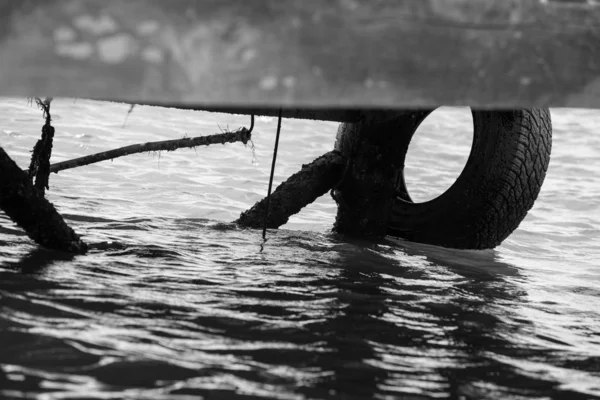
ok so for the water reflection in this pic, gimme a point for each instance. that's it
(313, 315)
(351, 326)
(165, 306)
(380, 319)
(38, 259)
(449, 328)
(387, 334)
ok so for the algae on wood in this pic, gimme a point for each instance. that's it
(299, 190)
(242, 135)
(39, 168)
(367, 190)
(28, 208)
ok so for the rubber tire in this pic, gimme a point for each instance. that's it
(498, 186)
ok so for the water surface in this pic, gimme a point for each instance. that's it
(174, 302)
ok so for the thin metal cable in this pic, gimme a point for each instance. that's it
(272, 173)
(251, 123)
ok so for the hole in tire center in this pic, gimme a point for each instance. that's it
(438, 152)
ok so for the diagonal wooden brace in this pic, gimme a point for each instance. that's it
(299, 190)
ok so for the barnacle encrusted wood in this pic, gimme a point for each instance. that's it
(299, 190)
(29, 209)
(241, 135)
(39, 167)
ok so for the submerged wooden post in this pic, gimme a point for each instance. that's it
(363, 173)
(28, 208)
(373, 149)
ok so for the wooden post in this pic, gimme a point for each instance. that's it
(39, 168)
(363, 173)
(28, 208)
(374, 150)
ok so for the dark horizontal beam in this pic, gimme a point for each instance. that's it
(321, 114)
(343, 54)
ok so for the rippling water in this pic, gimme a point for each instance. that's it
(173, 302)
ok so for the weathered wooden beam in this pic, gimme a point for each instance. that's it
(317, 53)
(299, 190)
(29, 209)
(242, 135)
(39, 167)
